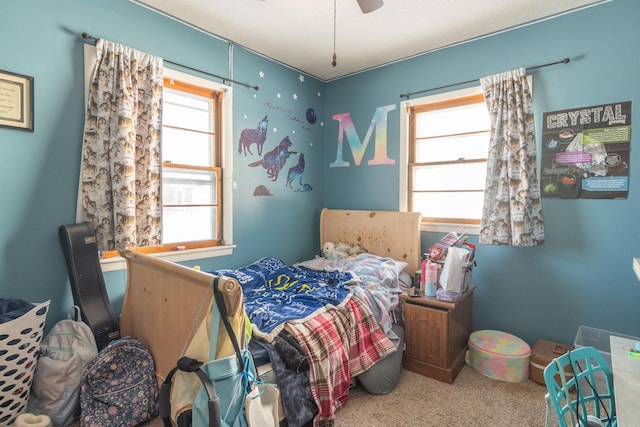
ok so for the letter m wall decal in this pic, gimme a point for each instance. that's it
(358, 148)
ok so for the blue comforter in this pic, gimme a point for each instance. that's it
(275, 292)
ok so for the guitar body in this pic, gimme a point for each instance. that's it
(87, 282)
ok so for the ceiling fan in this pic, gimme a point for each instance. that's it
(370, 5)
(366, 6)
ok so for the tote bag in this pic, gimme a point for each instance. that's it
(230, 388)
(230, 375)
(262, 406)
(224, 395)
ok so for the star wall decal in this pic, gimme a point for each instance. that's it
(295, 96)
(301, 78)
(261, 74)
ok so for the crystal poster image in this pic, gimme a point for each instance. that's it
(585, 152)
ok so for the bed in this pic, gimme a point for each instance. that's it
(315, 355)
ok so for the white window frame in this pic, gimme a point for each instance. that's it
(227, 246)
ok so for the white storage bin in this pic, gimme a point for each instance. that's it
(600, 340)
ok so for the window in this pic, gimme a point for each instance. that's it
(198, 168)
(448, 140)
(191, 165)
(197, 160)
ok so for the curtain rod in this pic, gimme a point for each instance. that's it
(87, 36)
(407, 95)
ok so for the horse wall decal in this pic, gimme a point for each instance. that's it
(253, 136)
(275, 159)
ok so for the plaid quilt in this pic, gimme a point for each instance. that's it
(341, 343)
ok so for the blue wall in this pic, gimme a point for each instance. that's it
(39, 176)
(581, 276)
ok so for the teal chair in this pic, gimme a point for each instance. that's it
(580, 386)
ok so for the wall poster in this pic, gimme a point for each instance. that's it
(585, 152)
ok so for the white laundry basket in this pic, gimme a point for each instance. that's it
(19, 345)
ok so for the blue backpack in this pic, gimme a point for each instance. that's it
(119, 387)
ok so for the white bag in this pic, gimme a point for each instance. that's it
(455, 269)
(64, 353)
(262, 406)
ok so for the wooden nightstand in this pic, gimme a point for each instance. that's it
(437, 335)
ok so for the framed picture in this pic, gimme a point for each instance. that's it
(16, 101)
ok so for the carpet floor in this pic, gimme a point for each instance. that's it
(472, 400)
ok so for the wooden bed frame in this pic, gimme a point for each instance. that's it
(163, 303)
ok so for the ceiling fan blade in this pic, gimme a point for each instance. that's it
(370, 5)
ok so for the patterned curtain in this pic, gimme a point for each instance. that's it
(121, 162)
(512, 211)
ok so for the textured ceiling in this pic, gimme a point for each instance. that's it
(300, 33)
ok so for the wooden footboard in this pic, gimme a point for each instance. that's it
(165, 302)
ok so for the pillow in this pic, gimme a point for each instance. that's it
(400, 265)
(405, 279)
(382, 377)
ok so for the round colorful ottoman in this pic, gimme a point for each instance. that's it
(499, 355)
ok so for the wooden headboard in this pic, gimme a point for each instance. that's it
(383, 233)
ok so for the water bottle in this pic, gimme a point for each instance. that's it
(431, 278)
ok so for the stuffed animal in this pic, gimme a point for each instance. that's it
(327, 249)
(357, 249)
(343, 249)
(330, 248)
